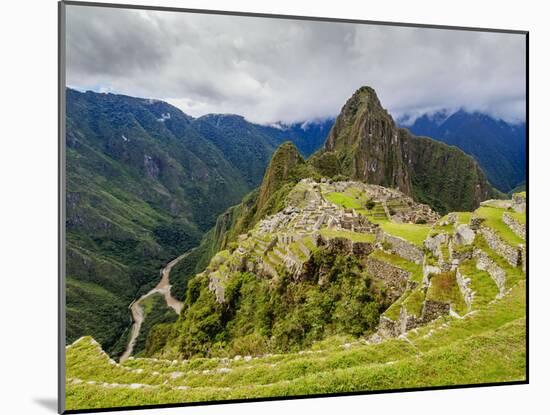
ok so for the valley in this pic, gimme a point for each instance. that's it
(454, 313)
(163, 287)
(143, 185)
(381, 261)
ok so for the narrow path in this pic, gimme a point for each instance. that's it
(163, 287)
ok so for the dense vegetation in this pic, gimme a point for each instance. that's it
(155, 311)
(144, 183)
(261, 316)
(483, 347)
(365, 144)
(286, 168)
(498, 147)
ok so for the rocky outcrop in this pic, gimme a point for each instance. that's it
(514, 225)
(464, 235)
(366, 127)
(367, 145)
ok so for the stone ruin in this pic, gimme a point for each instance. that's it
(519, 202)
(294, 223)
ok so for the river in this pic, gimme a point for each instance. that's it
(163, 287)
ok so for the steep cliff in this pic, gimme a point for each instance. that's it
(365, 144)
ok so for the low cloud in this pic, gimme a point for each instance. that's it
(273, 70)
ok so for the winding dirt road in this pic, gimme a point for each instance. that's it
(163, 287)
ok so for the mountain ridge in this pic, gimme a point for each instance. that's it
(435, 166)
(322, 281)
(499, 147)
(366, 144)
(144, 182)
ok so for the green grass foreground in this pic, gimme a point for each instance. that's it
(484, 347)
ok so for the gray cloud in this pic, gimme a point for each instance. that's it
(273, 70)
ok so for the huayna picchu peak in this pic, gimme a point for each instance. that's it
(263, 208)
(365, 144)
(374, 262)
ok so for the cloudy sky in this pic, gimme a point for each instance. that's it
(273, 70)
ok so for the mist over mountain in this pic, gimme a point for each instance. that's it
(499, 147)
(147, 182)
(366, 144)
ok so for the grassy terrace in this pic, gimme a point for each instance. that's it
(411, 300)
(415, 301)
(353, 236)
(354, 199)
(519, 217)
(414, 269)
(493, 219)
(463, 217)
(513, 274)
(413, 233)
(488, 346)
(308, 242)
(416, 234)
(294, 247)
(444, 288)
(346, 200)
(480, 282)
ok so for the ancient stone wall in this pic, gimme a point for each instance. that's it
(484, 263)
(395, 279)
(519, 203)
(388, 327)
(511, 254)
(464, 285)
(517, 228)
(434, 309)
(433, 243)
(345, 246)
(427, 270)
(401, 247)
